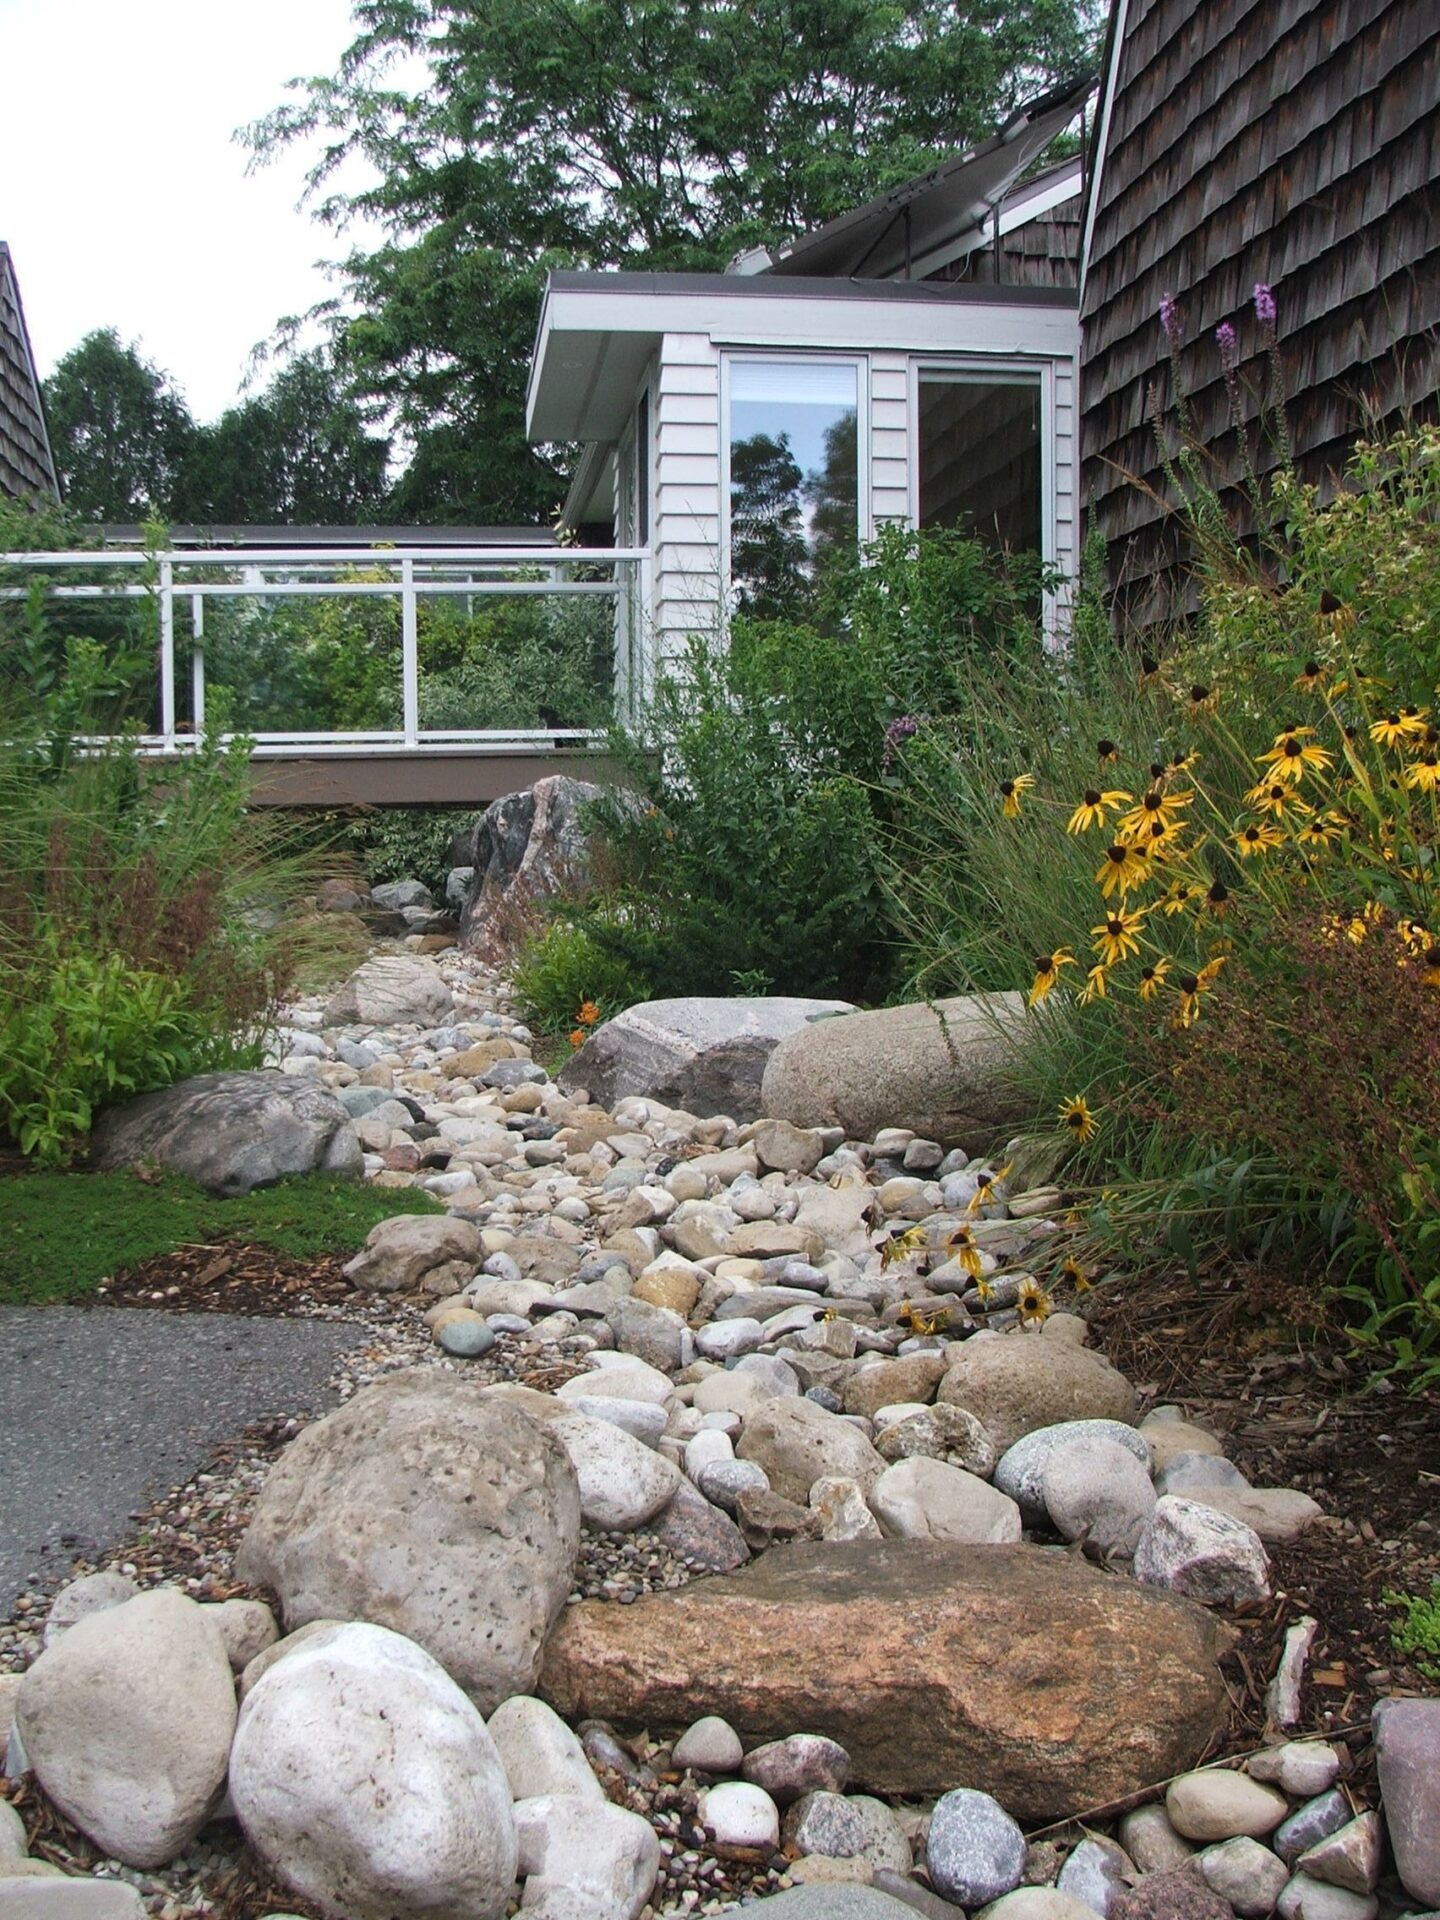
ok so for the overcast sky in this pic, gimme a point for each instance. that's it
(123, 195)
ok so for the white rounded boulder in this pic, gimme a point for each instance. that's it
(367, 1782)
(127, 1719)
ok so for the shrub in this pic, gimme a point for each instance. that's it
(410, 843)
(562, 970)
(141, 909)
(753, 851)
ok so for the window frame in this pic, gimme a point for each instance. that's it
(993, 370)
(792, 357)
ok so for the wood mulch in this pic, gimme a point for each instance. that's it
(229, 1278)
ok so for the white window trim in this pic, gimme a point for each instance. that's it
(1020, 367)
(789, 357)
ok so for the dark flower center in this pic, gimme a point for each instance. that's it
(1199, 694)
(1092, 798)
(1218, 894)
(1106, 749)
(1117, 855)
(1189, 983)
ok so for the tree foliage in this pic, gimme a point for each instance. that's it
(128, 450)
(120, 430)
(507, 137)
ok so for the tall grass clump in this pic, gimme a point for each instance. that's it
(1214, 876)
(141, 907)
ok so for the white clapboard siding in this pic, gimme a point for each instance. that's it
(889, 438)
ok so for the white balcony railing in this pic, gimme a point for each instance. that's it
(188, 581)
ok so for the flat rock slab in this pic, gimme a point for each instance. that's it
(935, 1665)
(102, 1409)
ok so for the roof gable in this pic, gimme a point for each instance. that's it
(27, 466)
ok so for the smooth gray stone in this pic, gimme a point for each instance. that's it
(1313, 1821)
(835, 1902)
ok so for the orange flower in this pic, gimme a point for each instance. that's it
(579, 1037)
(589, 1013)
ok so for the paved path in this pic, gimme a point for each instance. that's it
(103, 1409)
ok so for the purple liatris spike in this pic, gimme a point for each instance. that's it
(1229, 346)
(1170, 319)
(1265, 308)
(899, 731)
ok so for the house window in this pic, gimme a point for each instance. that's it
(794, 477)
(980, 455)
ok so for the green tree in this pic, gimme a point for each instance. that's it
(611, 133)
(298, 453)
(119, 428)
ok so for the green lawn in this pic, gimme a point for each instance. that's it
(61, 1233)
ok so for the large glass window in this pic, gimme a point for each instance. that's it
(794, 476)
(980, 461)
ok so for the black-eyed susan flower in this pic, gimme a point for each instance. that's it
(1106, 751)
(1080, 1123)
(1430, 966)
(1124, 866)
(1096, 985)
(1182, 763)
(1047, 973)
(1032, 1302)
(1311, 677)
(1295, 754)
(1192, 986)
(1320, 832)
(1152, 978)
(1217, 898)
(1011, 792)
(1179, 895)
(1391, 731)
(1423, 775)
(1258, 839)
(1202, 698)
(1157, 807)
(1414, 719)
(1071, 1270)
(1270, 796)
(984, 1292)
(902, 1245)
(1095, 804)
(986, 1180)
(1116, 936)
(963, 1248)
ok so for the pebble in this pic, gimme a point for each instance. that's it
(803, 1763)
(1217, 1804)
(1301, 1768)
(974, 1851)
(1246, 1874)
(711, 1745)
(1311, 1823)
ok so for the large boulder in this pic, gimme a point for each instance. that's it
(1015, 1383)
(400, 1252)
(527, 847)
(797, 1443)
(705, 1054)
(231, 1131)
(410, 1810)
(427, 1507)
(127, 1720)
(943, 1070)
(1049, 1684)
(392, 989)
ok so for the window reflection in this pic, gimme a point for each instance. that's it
(980, 456)
(794, 478)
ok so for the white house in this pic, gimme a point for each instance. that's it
(879, 369)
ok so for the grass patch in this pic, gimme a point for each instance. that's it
(62, 1233)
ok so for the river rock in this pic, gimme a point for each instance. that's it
(939, 1433)
(1151, 1842)
(1216, 1804)
(923, 1499)
(1349, 1857)
(66, 1899)
(940, 1070)
(539, 1752)
(1017, 1383)
(913, 1377)
(1098, 1492)
(127, 1721)
(1180, 1894)
(1038, 1903)
(1246, 1874)
(582, 1861)
(740, 1815)
(424, 1506)
(1306, 1899)
(973, 1849)
(399, 1252)
(1196, 1550)
(705, 1055)
(1060, 1686)
(1407, 1750)
(92, 1594)
(797, 1443)
(623, 1483)
(710, 1746)
(411, 1810)
(391, 989)
(802, 1763)
(1020, 1471)
(1300, 1767)
(230, 1131)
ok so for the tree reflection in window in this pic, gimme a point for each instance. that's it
(794, 479)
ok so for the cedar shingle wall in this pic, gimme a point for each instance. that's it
(1045, 252)
(1294, 142)
(25, 466)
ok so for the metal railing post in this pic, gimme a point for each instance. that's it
(167, 654)
(197, 663)
(410, 653)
